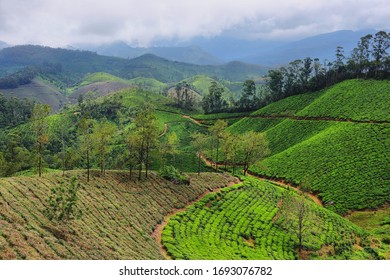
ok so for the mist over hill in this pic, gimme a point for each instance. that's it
(224, 48)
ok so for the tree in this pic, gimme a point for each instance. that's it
(85, 130)
(253, 148)
(133, 142)
(296, 216)
(199, 142)
(39, 126)
(3, 165)
(213, 102)
(101, 138)
(248, 95)
(147, 131)
(217, 133)
(361, 55)
(62, 202)
(169, 147)
(230, 144)
(380, 46)
(183, 96)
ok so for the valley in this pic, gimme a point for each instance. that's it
(167, 159)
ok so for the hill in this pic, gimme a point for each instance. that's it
(336, 140)
(115, 222)
(39, 90)
(70, 66)
(190, 54)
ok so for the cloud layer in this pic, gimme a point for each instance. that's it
(58, 23)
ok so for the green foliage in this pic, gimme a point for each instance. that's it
(239, 223)
(353, 99)
(62, 203)
(213, 102)
(288, 106)
(14, 111)
(346, 163)
(174, 175)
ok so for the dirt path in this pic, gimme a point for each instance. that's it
(193, 120)
(164, 131)
(301, 118)
(284, 184)
(281, 183)
(157, 233)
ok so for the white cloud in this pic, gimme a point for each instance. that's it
(58, 23)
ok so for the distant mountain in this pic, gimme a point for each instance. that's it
(70, 66)
(275, 53)
(322, 46)
(3, 45)
(191, 54)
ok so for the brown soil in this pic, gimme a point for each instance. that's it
(195, 121)
(282, 183)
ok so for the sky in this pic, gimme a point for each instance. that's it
(59, 23)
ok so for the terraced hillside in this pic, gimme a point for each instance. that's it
(240, 222)
(336, 140)
(119, 216)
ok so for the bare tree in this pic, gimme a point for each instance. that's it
(296, 217)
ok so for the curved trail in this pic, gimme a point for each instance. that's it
(280, 183)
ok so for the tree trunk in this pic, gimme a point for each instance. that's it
(87, 165)
(216, 160)
(40, 160)
(199, 164)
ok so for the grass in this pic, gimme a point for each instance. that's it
(119, 217)
(239, 223)
(377, 222)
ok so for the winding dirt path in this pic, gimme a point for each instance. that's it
(280, 183)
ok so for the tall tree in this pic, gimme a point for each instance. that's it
(217, 133)
(296, 216)
(133, 143)
(146, 128)
(248, 95)
(253, 148)
(101, 139)
(39, 126)
(380, 46)
(169, 147)
(85, 130)
(199, 142)
(213, 102)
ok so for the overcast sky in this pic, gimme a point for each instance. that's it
(140, 22)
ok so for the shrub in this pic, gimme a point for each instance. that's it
(174, 175)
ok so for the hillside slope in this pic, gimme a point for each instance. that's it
(119, 216)
(336, 140)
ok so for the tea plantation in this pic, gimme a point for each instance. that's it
(239, 223)
(341, 150)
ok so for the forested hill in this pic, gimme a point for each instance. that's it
(69, 66)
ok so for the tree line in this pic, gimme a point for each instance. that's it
(75, 139)
(14, 111)
(237, 150)
(369, 59)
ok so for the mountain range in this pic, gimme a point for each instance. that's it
(222, 49)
